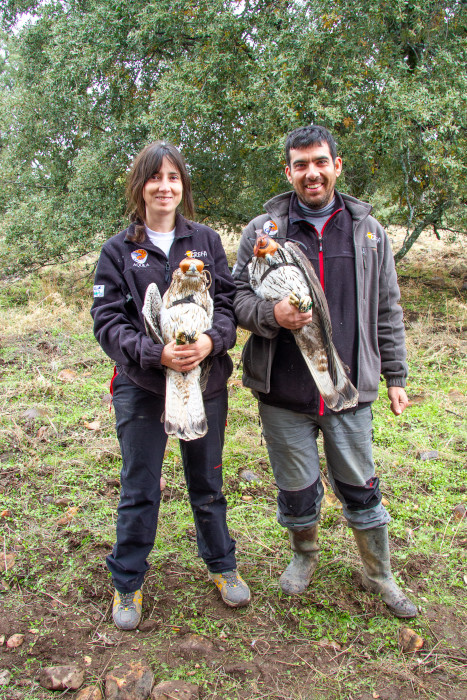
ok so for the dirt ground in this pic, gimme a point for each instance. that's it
(278, 668)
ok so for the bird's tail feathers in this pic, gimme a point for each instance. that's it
(338, 394)
(184, 408)
(324, 383)
(347, 392)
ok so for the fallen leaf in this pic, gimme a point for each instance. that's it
(385, 502)
(375, 695)
(69, 515)
(7, 561)
(33, 631)
(87, 660)
(416, 398)
(409, 640)
(67, 375)
(2, 640)
(457, 395)
(332, 500)
(329, 644)
(163, 483)
(427, 455)
(94, 425)
(106, 399)
(35, 412)
(42, 432)
(15, 641)
(5, 513)
(459, 512)
(247, 498)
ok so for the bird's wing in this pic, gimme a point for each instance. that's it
(151, 311)
(319, 302)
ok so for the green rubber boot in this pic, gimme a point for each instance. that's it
(373, 546)
(297, 575)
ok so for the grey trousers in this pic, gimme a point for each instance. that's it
(293, 453)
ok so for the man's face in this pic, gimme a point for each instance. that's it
(313, 174)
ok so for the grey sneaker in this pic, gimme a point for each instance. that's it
(233, 589)
(127, 609)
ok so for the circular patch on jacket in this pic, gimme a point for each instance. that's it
(270, 227)
(139, 256)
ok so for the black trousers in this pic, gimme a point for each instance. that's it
(142, 442)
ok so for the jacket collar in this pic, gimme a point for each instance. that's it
(279, 206)
(183, 228)
(296, 214)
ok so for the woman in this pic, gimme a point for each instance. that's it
(158, 238)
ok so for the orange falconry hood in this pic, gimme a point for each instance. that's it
(186, 263)
(265, 245)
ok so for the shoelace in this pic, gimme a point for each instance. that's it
(230, 578)
(126, 600)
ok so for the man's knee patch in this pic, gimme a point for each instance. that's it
(299, 504)
(360, 497)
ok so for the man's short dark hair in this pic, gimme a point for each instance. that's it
(310, 135)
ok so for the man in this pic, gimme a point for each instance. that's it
(352, 257)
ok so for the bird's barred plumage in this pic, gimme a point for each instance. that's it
(279, 271)
(184, 312)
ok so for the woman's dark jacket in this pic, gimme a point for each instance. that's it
(124, 271)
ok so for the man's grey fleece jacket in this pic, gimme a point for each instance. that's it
(381, 333)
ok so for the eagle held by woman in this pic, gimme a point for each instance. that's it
(184, 312)
(277, 271)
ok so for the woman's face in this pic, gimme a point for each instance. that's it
(162, 193)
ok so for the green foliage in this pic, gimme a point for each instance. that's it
(87, 83)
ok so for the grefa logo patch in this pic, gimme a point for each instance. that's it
(373, 237)
(139, 257)
(196, 253)
(270, 227)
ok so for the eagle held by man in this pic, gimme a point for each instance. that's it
(276, 271)
(184, 312)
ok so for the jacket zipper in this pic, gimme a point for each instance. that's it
(364, 271)
(321, 279)
(167, 264)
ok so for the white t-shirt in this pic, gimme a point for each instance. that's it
(161, 240)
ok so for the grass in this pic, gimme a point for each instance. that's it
(59, 471)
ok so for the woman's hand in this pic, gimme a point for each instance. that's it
(183, 358)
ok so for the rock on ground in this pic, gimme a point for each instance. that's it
(91, 692)
(175, 689)
(195, 647)
(132, 681)
(5, 677)
(61, 677)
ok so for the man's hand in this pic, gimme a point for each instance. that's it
(398, 398)
(289, 316)
(183, 358)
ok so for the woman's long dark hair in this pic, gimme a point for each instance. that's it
(145, 165)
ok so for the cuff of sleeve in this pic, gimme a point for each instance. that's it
(151, 354)
(396, 381)
(269, 314)
(218, 345)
